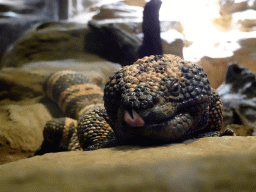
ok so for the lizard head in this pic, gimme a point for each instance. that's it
(157, 99)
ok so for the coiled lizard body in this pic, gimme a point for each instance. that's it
(158, 99)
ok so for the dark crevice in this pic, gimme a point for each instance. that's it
(14, 92)
(237, 119)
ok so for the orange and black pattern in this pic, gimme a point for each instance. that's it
(158, 99)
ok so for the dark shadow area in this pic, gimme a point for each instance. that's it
(112, 43)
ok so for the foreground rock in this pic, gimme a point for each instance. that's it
(208, 164)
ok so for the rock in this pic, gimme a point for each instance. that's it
(208, 164)
(19, 15)
(231, 38)
(247, 25)
(215, 69)
(139, 3)
(245, 53)
(173, 42)
(107, 11)
(230, 6)
(112, 43)
(238, 95)
(21, 130)
(241, 50)
(46, 42)
(118, 10)
(241, 130)
(68, 40)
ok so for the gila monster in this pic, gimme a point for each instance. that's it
(159, 99)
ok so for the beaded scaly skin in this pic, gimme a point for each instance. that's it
(159, 99)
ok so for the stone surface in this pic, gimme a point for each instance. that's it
(118, 10)
(241, 130)
(215, 69)
(207, 164)
(140, 3)
(46, 42)
(112, 42)
(243, 52)
(19, 15)
(230, 6)
(21, 130)
(238, 95)
(173, 42)
(69, 40)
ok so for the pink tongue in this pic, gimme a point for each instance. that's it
(135, 121)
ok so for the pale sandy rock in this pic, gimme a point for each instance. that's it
(140, 3)
(118, 10)
(247, 25)
(230, 6)
(90, 8)
(241, 130)
(215, 69)
(21, 130)
(208, 164)
(245, 54)
(173, 42)
(243, 21)
(93, 5)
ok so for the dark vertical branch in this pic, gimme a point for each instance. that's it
(63, 9)
(151, 29)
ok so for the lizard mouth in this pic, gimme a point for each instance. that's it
(145, 118)
(148, 130)
(160, 124)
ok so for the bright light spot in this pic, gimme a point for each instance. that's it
(248, 14)
(195, 16)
